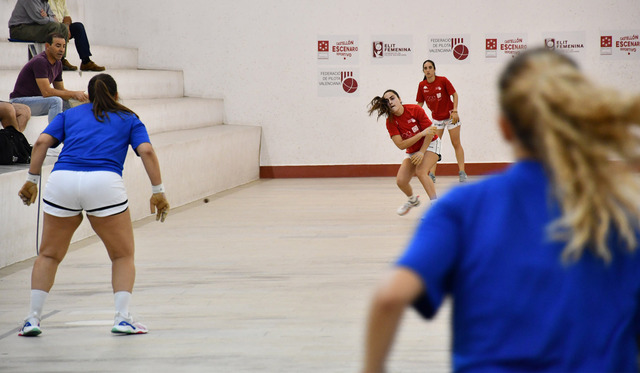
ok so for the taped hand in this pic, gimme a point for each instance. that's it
(28, 193)
(159, 201)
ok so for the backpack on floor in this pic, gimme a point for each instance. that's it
(14, 147)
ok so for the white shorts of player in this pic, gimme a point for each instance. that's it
(445, 124)
(434, 147)
(98, 193)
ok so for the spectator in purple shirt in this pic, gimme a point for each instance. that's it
(34, 84)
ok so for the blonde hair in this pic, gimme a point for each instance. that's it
(589, 141)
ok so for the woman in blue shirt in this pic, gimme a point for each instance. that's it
(541, 261)
(88, 176)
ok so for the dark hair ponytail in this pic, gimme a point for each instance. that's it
(102, 94)
(432, 63)
(381, 105)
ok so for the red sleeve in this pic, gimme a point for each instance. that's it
(419, 97)
(449, 87)
(392, 128)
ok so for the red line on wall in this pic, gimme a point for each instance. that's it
(374, 170)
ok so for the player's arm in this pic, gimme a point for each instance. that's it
(403, 144)
(455, 118)
(391, 299)
(29, 190)
(152, 167)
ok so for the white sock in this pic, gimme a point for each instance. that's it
(122, 299)
(413, 198)
(38, 298)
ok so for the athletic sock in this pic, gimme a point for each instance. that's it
(38, 297)
(122, 299)
(413, 198)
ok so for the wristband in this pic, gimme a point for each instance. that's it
(33, 178)
(157, 188)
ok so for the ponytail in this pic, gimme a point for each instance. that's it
(381, 104)
(102, 94)
(576, 129)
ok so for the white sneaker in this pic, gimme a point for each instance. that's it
(402, 210)
(463, 176)
(126, 325)
(31, 327)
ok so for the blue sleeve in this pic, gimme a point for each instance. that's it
(432, 254)
(139, 133)
(56, 128)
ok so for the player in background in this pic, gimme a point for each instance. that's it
(408, 126)
(442, 101)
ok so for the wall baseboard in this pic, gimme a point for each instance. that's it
(370, 170)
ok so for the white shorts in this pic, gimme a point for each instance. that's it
(99, 193)
(445, 124)
(434, 147)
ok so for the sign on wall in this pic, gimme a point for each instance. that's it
(338, 82)
(338, 50)
(451, 48)
(392, 49)
(620, 44)
(572, 43)
(500, 47)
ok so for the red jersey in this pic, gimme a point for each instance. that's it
(437, 95)
(413, 121)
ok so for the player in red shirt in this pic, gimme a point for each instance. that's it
(437, 92)
(408, 126)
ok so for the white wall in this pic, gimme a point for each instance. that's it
(261, 57)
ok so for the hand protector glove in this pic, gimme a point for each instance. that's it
(159, 201)
(28, 193)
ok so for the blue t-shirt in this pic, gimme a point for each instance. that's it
(516, 305)
(90, 145)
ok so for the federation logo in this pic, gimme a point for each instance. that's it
(349, 84)
(550, 43)
(323, 49)
(460, 51)
(491, 48)
(378, 49)
(606, 45)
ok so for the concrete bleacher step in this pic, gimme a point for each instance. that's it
(132, 84)
(15, 55)
(158, 115)
(195, 163)
(199, 154)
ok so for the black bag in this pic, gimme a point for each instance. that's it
(14, 147)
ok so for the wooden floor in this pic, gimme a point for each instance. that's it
(273, 276)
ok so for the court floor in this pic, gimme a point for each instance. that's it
(273, 276)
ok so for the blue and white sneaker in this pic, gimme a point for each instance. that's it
(31, 327)
(126, 325)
